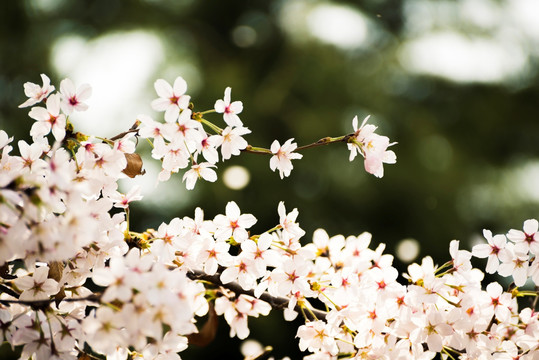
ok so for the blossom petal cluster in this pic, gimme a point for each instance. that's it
(371, 146)
(283, 156)
(182, 138)
(78, 282)
(513, 255)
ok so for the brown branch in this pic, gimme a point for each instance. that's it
(45, 302)
(133, 128)
(324, 141)
(275, 302)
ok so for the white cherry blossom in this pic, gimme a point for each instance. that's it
(232, 142)
(233, 224)
(229, 109)
(37, 286)
(73, 98)
(172, 99)
(48, 119)
(37, 93)
(283, 156)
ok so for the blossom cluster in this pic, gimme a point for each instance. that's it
(372, 146)
(75, 280)
(514, 254)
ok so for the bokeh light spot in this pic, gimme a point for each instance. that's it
(236, 177)
(244, 36)
(341, 26)
(407, 250)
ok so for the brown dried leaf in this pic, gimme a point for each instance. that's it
(56, 270)
(134, 165)
(207, 334)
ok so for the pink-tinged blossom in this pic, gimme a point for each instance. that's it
(125, 144)
(31, 156)
(527, 240)
(208, 148)
(233, 224)
(500, 301)
(166, 349)
(460, 258)
(37, 93)
(149, 128)
(37, 286)
(110, 161)
(229, 109)
(514, 264)
(4, 139)
(317, 336)
(376, 154)
(197, 228)
(164, 244)
(212, 254)
(236, 319)
(172, 99)
(48, 119)
(203, 170)
(123, 200)
(431, 329)
(103, 329)
(260, 253)
(371, 146)
(232, 142)
(288, 221)
(241, 270)
(490, 250)
(184, 131)
(425, 284)
(360, 132)
(73, 98)
(175, 157)
(292, 277)
(283, 156)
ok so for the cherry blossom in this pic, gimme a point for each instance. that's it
(37, 93)
(48, 119)
(203, 170)
(371, 146)
(123, 200)
(172, 99)
(231, 141)
(229, 109)
(283, 156)
(527, 240)
(73, 98)
(59, 231)
(490, 250)
(37, 286)
(233, 224)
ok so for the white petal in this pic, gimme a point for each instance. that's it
(531, 226)
(180, 86)
(67, 88)
(219, 106)
(163, 89)
(84, 92)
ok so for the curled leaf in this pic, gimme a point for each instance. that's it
(134, 165)
(208, 331)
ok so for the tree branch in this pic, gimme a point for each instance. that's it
(275, 302)
(324, 141)
(45, 302)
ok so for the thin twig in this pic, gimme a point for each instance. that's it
(324, 141)
(275, 302)
(45, 302)
(133, 128)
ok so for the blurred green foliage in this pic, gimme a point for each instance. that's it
(463, 147)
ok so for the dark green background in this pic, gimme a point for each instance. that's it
(309, 90)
